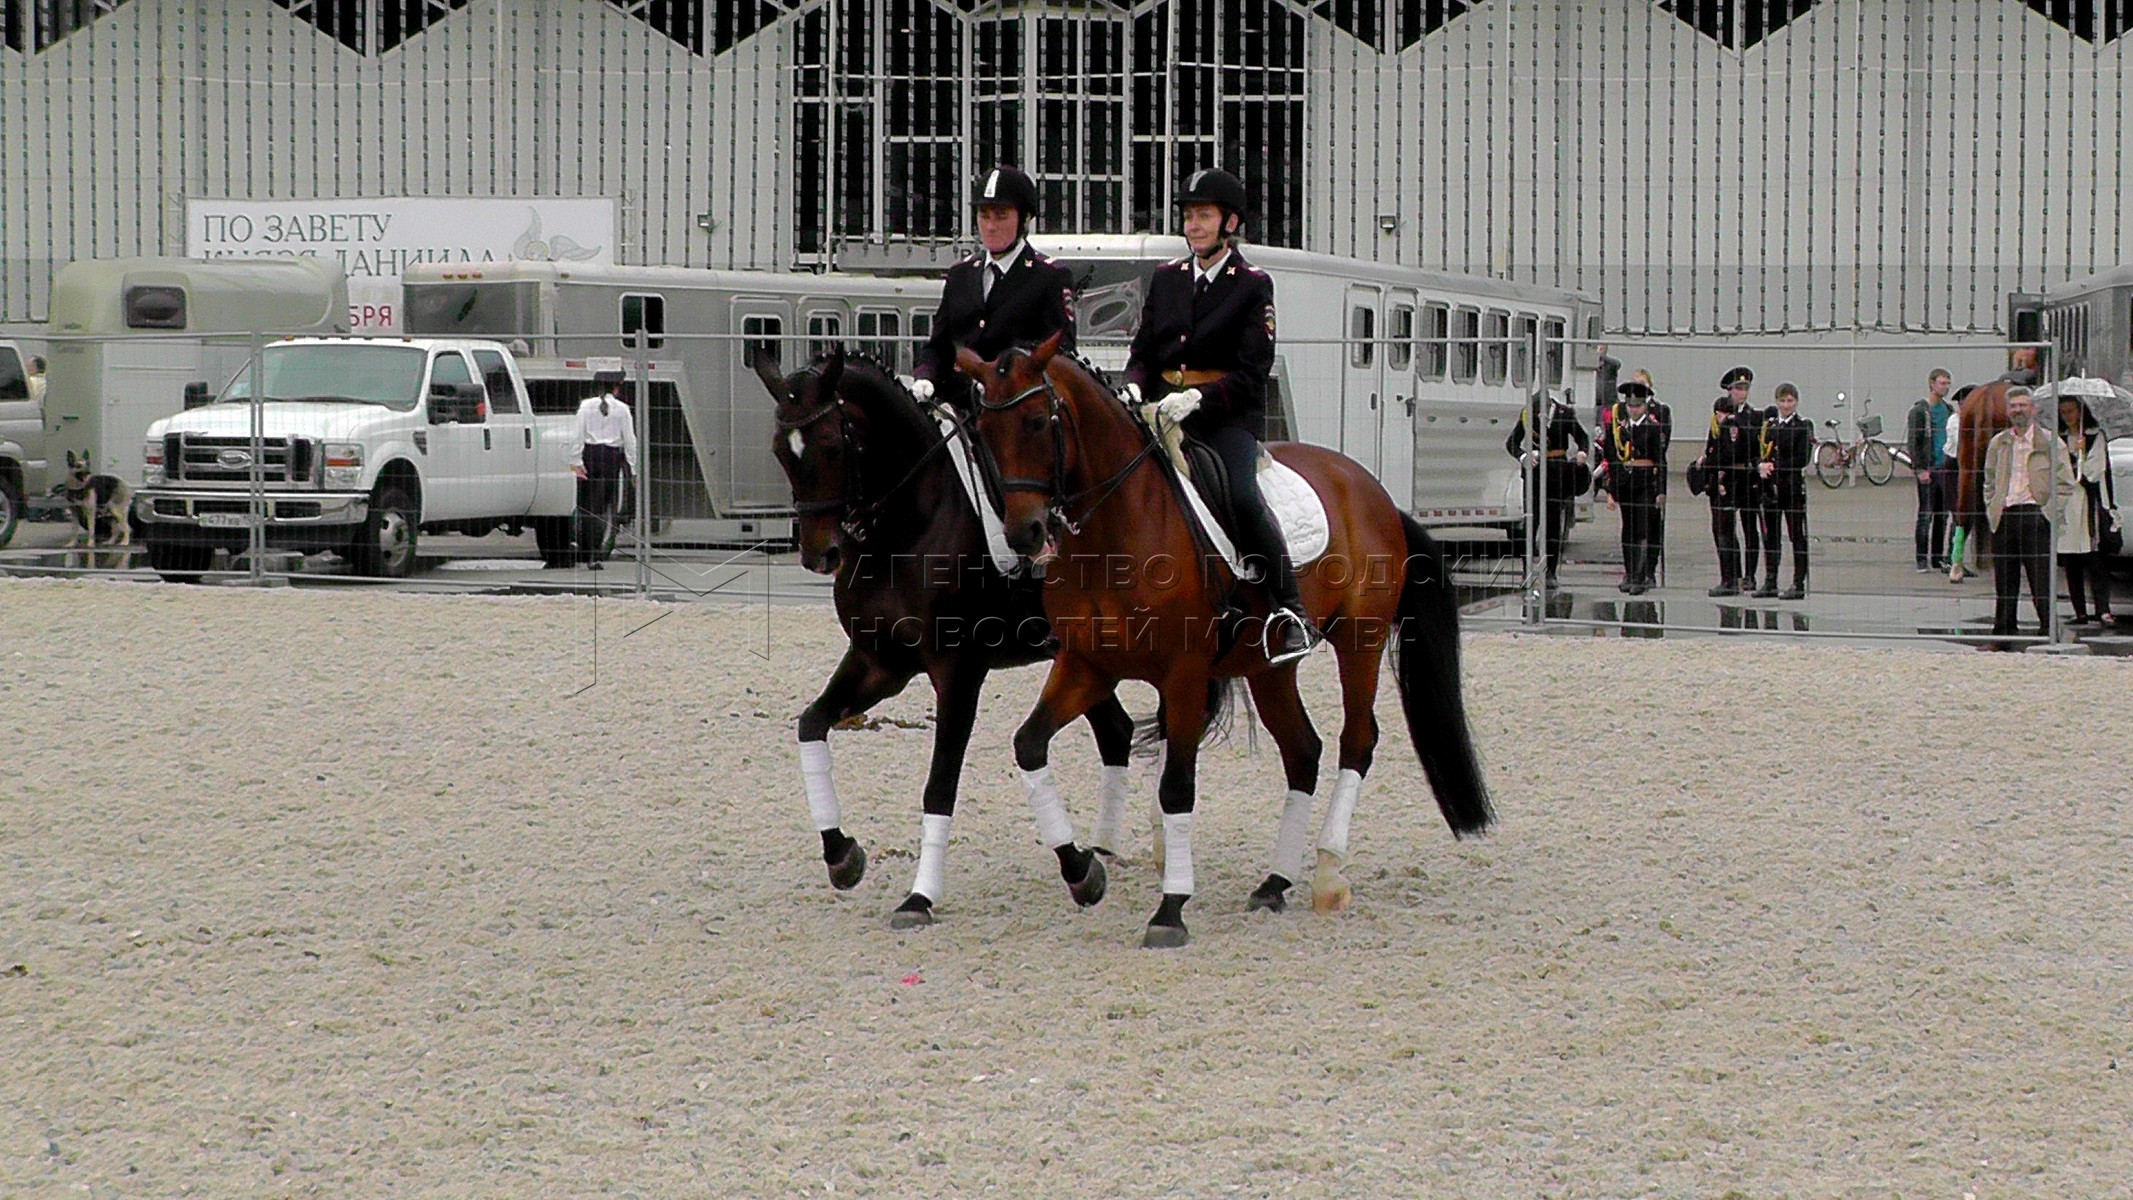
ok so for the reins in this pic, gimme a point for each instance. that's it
(859, 516)
(1055, 487)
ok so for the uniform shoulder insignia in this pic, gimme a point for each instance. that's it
(1175, 264)
(1270, 320)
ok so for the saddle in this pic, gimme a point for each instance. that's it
(1204, 485)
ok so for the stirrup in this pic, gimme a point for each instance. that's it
(1266, 636)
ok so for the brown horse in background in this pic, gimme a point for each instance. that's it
(1980, 413)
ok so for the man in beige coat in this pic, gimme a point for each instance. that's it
(2028, 481)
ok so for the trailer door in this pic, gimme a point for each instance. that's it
(1396, 416)
(1363, 379)
(741, 473)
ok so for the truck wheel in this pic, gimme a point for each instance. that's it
(552, 535)
(10, 509)
(177, 562)
(385, 546)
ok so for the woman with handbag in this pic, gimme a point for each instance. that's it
(2089, 533)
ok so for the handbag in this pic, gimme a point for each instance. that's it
(2111, 537)
(1699, 477)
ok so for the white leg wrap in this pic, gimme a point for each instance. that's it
(821, 790)
(1333, 835)
(1177, 854)
(1053, 827)
(1295, 832)
(1111, 807)
(932, 856)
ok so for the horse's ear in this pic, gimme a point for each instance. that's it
(1048, 348)
(832, 367)
(968, 362)
(766, 369)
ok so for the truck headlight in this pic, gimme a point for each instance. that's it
(152, 462)
(344, 464)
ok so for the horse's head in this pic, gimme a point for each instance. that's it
(1021, 426)
(814, 444)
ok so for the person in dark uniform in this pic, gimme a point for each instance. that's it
(1202, 355)
(1567, 470)
(1004, 295)
(1729, 461)
(1607, 376)
(1636, 469)
(1786, 444)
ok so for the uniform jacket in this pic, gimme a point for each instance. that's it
(1031, 303)
(1230, 329)
(1789, 445)
(2051, 473)
(1630, 441)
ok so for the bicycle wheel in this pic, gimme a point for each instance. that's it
(1829, 463)
(1878, 461)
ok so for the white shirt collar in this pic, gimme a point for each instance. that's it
(1209, 274)
(1007, 260)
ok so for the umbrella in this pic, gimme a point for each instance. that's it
(2111, 405)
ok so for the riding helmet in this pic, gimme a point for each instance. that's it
(1006, 185)
(1215, 186)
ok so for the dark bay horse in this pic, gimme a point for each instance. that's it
(1131, 597)
(881, 509)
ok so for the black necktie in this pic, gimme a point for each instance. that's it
(1199, 291)
(993, 280)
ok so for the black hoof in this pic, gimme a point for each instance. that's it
(1271, 896)
(1166, 929)
(1091, 887)
(916, 912)
(846, 872)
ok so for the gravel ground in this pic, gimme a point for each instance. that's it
(353, 894)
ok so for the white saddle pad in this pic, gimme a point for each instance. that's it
(1004, 560)
(1294, 503)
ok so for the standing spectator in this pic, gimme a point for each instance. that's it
(35, 380)
(1606, 378)
(1927, 435)
(2027, 483)
(1729, 463)
(603, 445)
(1567, 473)
(2090, 512)
(1636, 452)
(1787, 444)
(1663, 416)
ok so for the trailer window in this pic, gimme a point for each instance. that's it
(1495, 347)
(877, 333)
(1400, 339)
(1436, 343)
(155, 307)
(1466, 345)
(1522, 348)
(646, 314)
(496, 378)
(825, 330)
(1362, 335)
(14, 385)
(760, 338)
(921, 333)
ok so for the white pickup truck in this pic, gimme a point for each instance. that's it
(363, 444)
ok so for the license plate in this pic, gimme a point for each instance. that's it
(226, 520)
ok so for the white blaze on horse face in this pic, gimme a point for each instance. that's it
(795, 442)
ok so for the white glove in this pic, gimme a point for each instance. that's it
(1177, 406)
(922, 388)
(1131, 394)
(1529, 458)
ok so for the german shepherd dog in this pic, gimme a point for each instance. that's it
(95, 499)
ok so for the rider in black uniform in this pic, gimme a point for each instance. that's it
(1203, 353)
(1004, 295)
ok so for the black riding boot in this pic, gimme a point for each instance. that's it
(1288, 628)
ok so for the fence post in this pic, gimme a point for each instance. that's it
(258, 539)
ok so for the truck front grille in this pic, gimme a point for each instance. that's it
(196, 458)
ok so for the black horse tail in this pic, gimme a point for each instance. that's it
(1427, 669)
(1148, 731)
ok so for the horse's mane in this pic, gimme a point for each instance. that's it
(897, 401)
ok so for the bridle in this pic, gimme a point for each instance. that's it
(1054, 489)
(858, 516)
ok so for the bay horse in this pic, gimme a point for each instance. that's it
(1131, 597)
(881, 510)
(1980, 414)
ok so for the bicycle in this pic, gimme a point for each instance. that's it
(1875, 458)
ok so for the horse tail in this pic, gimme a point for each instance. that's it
(1426, 667)
(1220, 715)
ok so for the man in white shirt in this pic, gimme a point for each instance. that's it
(603, 446)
